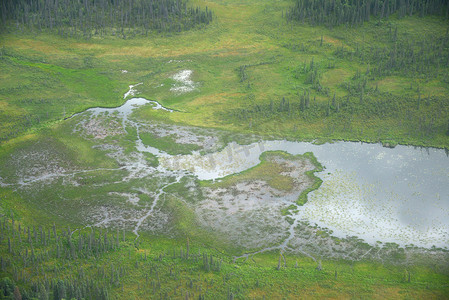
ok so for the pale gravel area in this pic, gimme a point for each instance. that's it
(130, 197)
(183, 82)
(132, 91)
(248, 213)
(40, 162)
(207, 139)
(100, 127)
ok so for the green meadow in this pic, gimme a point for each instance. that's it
(244, 62)
(255, 75)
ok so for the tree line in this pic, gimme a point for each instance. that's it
(102, 17)
(61, 263)
(355, 12)
(426, 58)
(421, 115)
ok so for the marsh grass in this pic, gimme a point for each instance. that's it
(73, 74)
(44, 79)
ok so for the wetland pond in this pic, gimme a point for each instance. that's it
(369, 193)
(375, 193)
(398, 195)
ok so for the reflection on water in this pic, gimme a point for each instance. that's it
(378, 194)
(392, 195)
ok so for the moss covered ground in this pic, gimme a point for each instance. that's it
(254, 74)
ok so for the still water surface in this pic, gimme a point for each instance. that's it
(396, 195)
(375, 193)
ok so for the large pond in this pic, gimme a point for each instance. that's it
(396, 195)
(378, 194)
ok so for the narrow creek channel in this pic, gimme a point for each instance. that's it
(398, 195)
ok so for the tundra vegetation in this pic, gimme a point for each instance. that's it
(85, 214)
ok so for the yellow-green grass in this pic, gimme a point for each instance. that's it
(167, 144)
(46, 73)
(154, 265)
(76, 74)
(267, 170)
(271, 171)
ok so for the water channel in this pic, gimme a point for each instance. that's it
(398, 195)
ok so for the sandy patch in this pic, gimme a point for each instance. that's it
(206, 139)
(184, 82)
(132, 91)
(248, 212)
(99, 129)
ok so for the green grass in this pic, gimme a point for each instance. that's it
(153, 265)
(267, 170)
(167, 144)
(311, 174)
(45, 79)
(39, 93)
(271, 171)
(75, 74)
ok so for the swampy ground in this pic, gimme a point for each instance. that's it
(88, 209)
